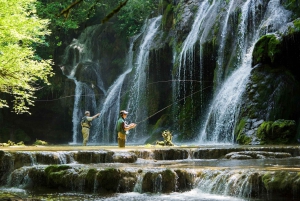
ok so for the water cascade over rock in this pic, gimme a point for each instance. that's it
(158, 171)
(190, 70)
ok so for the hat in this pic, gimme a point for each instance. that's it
(87, 112)
(123, 112)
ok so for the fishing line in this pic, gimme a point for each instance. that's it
(68, 97)
(172, 104)
(124, 92)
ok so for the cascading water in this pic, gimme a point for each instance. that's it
(136, 104)
(221, 119)
(111, 106)
(222, 46)
(188, 72)
(78, 65)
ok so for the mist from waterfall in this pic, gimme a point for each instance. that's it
(221, 119)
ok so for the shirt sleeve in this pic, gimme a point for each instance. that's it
(89, 118)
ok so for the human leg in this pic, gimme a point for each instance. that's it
(85, 135)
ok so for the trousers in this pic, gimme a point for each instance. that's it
(121, 139)
(85, 135)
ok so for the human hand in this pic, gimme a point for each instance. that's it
(132, 125)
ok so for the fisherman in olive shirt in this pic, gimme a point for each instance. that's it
(123, 128)
(86, 123)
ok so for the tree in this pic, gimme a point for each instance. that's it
(22, 71)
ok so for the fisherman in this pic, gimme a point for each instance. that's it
(123, 128)
(167, 135)
(86, 123)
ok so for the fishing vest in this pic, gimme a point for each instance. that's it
(119, 126)
(85, 123)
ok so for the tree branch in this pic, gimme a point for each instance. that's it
(116, 10)
(65, 12)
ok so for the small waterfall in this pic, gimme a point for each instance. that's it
(111, 106)
(188, 71)
(221, 119)
(222, 46)
(78, 65)
(230, 183)
(136, 105)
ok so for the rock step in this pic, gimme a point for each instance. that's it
(82, 178)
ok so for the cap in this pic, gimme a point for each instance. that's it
(87, 112)
(123, 112)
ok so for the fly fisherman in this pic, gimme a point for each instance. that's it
(86, 123)
(123, 128)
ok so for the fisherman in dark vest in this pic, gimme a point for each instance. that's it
(86, 123)
(123, 128)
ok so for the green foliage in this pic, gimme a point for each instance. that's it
(21, 70)
(77, 15)
(40, 142)
(133, 15)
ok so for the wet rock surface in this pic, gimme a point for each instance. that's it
(256, 155)
(165, 170)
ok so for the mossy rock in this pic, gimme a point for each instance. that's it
(108, 180)
(90, 179)
(266, 50)
(282, 182)
(276, 132)
(155, 182)
(55, 175)
(240, 134)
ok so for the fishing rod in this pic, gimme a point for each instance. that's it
(172, 104)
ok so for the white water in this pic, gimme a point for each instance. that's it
(111, 106)
(186, 59)
(222, 46)
(221, 119)
(136, 108)
(80, 53)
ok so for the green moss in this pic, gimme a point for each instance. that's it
(108, 180)
(55, 174)
(266, 49)
(56, 168)
(242, 138)
(167, 19)
(277, 132)
(90, 179)
(292, 5)
(282, 182)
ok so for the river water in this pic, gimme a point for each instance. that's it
(220, 176)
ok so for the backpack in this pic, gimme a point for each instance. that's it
(85, 122)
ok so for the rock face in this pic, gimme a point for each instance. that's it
(270, 115)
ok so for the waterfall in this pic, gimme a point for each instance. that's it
(222, 46)
(188, 72)
(111, 106)
(221, 119)
(231, 183)
(78, 64)
(136, 105)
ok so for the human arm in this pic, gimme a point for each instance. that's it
(127, 127)
(95, 116)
